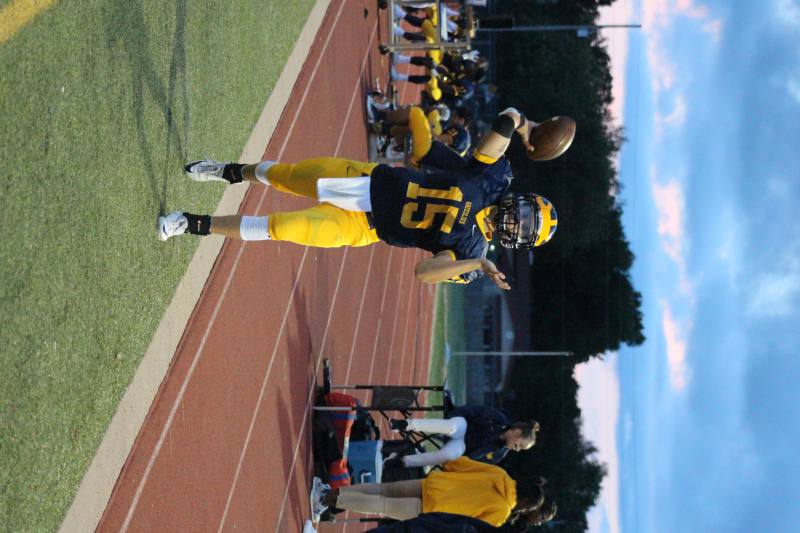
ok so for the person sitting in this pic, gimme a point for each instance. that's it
(534, 517)
(427, 134)
(481, 433)
(463, 487)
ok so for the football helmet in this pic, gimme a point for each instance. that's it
(525, 220)
(444, 112)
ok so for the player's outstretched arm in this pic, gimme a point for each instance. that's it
(495, 143)
(442, 267)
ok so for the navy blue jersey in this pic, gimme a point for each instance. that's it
(442, 157)
(485, 426)
(437, 211)
(439, 523)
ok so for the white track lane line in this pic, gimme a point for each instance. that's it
(322, 346)
(358, 317)
(380, 313)
(386, 380)
(179, 398)
(405, 338)
(378, 327)
(394, 325)
(355, 337)
(374, 345)
(382, 422)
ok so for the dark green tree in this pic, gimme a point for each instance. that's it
(581, 296)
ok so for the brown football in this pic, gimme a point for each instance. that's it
(551, 138)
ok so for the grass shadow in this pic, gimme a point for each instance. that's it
(127, 29)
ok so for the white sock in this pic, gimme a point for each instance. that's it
(398, 30)
(397, 76)
(262, 169)
(400, 59)
(399, 12)
(254, 228)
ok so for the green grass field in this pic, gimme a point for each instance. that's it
(101, 103)
(437, 371)
(455, 337)
(448, 331)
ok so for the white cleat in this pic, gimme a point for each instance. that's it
(376, 102)
(318, 492)
(171, 225)
(205, 170)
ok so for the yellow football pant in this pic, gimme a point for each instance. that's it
(421, 136)
(429, 30)
(435, 121)
(324, 225)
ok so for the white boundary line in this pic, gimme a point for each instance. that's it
(358, 316)
(330, 312)
(394, 324)
(405, 338)
(355, 337)
(377, 328)
(210, 324)
(260, 398)
(98, 482)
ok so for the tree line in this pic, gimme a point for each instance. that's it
(581, 297)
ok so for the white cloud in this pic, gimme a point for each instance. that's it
(675, 119)
(775, 291)
(671, 207)
(787, 12)
(599, 400)
(675, 338)
(775, 295)
(725, 242)
(670, 203)
(627, 433)
(713, 28)
(617, 43)
(659, 17)
(778, 188)
(793, 88)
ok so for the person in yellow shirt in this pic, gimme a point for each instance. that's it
(464, 487)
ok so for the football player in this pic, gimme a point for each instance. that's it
(453, 212)
(422, 128)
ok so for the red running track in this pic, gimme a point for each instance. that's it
(226, 444)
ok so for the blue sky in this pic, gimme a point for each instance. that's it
(706, 413)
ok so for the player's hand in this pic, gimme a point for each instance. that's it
(497, 277)
(525, 134)
(524, 130)
(445, 138)
(529, 148)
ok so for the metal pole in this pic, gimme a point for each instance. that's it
(524, 354)
(560, 27)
